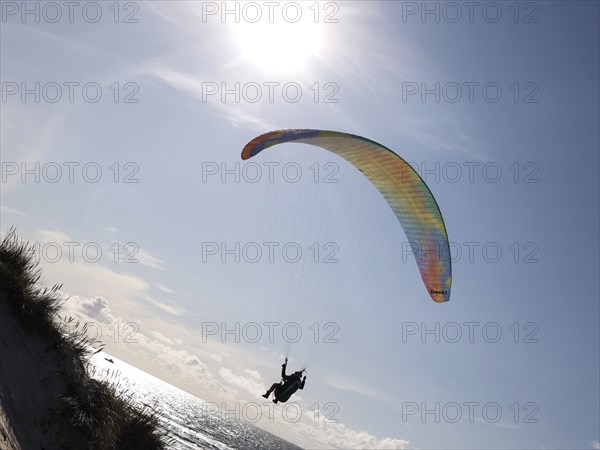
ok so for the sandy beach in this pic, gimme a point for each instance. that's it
(32, 382)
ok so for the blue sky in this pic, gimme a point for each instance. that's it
(514, 173)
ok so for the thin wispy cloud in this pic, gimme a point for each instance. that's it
(163, 288)
(16, 212)
(170, 308)
(53, 236)
(146, 258)
(339, 381)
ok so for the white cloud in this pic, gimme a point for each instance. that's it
(163, 288)
(243, 382)
(146, 258)
(254, 373)
(95, 308)
(338, 435)
(9, 210)
(596, 445)
(47, 236)
(159, 337)
(170, 308)
(196, 85)
(87, 280)
(348, 384)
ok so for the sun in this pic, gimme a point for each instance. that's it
(279, 47)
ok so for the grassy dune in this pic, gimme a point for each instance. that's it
(47, 398)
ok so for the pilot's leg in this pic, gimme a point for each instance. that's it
(271, 389)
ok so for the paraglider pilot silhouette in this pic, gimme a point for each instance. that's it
(288, 385)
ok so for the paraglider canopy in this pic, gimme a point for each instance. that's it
(404, 190)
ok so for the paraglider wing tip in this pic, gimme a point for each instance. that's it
(246, 152)
(440, 295)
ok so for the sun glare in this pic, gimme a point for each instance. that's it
(279, 47)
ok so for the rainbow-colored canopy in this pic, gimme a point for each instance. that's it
(402, 187)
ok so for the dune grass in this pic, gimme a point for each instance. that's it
(106, 415)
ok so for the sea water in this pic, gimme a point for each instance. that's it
(190, 422)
